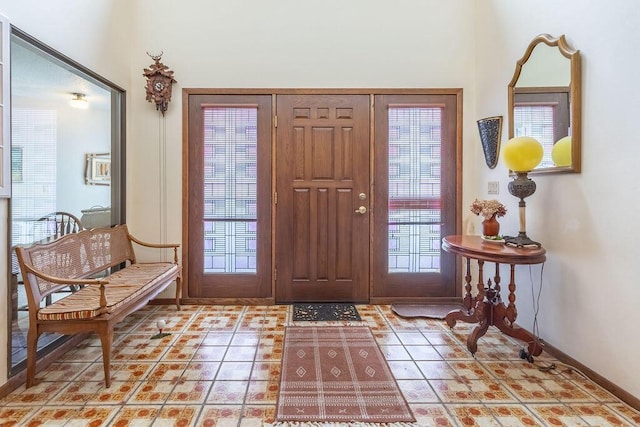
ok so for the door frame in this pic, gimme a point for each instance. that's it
(186, 92)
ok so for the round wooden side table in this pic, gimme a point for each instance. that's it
(486, 307)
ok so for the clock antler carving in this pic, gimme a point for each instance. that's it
(159, 81)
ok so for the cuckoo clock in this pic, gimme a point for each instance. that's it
(159, 81)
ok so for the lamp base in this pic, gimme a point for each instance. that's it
(521, 241)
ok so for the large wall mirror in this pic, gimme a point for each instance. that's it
(544, 102)
(53, 188)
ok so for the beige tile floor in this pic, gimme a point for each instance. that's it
(221, 364)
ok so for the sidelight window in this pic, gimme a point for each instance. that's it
(230, 201)
(417, 148)
(414, 218)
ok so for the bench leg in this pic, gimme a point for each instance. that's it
(178, 291)
(106, 338)
(32, 350)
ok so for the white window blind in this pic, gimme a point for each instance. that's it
(537, 122)
(34, 156)
(230, 198)
(415, 145)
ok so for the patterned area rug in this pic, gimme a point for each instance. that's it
(337, 374)
(325, 312)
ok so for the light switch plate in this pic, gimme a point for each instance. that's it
(493, 187)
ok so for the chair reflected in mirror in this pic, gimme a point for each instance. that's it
(58, 224)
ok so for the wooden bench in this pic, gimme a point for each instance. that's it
(90, 260)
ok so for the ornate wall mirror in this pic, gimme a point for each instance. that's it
(544, 102)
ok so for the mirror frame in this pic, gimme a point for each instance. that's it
(575, 98)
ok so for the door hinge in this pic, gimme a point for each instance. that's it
(275, 198)
(275, 274)
(275, 121)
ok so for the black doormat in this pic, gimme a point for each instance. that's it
(325, 312)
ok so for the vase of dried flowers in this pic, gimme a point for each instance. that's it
(490, 210)
(490, 227)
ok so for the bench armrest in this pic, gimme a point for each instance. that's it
(175, 246)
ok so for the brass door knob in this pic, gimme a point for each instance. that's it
(361, 210)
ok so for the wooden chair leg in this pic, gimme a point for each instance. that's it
(32, 350)
(106, 338)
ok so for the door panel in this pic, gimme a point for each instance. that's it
(322, 241)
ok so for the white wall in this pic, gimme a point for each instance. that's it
(545, 67)
(95, 34)
(585, 221)
(288, 43)
(81, 132)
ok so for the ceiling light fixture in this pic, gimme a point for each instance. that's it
(79, 101)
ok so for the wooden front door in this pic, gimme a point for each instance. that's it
(322, 207)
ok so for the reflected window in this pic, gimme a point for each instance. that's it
(543, 115)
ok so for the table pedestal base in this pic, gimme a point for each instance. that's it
(491, 311)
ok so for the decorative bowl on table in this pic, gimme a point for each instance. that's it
(493, 239)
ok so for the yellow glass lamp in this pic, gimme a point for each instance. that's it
(561, 152)
(522, 154)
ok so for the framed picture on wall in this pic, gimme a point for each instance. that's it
(98, 169)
